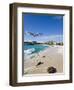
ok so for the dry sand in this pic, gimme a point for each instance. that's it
(52, 56)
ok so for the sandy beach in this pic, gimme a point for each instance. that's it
(50, 57)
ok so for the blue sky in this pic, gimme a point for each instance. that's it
(50, 25)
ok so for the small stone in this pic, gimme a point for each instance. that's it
(51, 70)
(43, 56)
(39, 63)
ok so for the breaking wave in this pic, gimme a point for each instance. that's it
(29, 51)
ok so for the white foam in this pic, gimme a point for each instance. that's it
(29, 51)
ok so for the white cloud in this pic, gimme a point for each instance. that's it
(57, 38)
(44, 38)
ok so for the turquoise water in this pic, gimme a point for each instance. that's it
(29, 49)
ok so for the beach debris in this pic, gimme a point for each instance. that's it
(51, 69)
(43, 56)
(39, 63)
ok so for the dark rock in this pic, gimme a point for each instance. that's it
(51, 70)
(39, 63)
(43, 56)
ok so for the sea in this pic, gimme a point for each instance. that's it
(33, 49)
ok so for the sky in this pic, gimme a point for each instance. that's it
(51, 27)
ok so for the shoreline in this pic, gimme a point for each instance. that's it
(52, 56)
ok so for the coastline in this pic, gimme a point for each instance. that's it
(52, 56)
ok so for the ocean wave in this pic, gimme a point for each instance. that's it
(29, 51)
